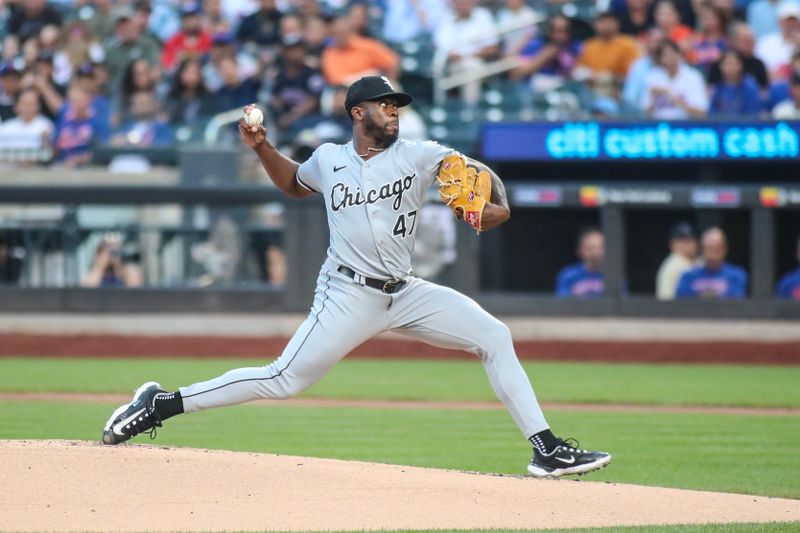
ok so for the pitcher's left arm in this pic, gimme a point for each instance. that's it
(496, 211)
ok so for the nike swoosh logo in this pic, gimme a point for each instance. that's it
(568, 461)
(337, 169)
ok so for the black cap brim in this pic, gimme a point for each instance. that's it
(403, 99)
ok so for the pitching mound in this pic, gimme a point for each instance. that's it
(69, 486)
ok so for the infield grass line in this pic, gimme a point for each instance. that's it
(596, 383)
(661, 449)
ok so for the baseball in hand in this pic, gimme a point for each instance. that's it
(254, 117)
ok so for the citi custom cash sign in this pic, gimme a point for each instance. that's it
(671, 141)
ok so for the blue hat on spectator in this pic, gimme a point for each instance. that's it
(7, 67)
(222, 38)
(192, 8)
(682, 230)
(86, 69)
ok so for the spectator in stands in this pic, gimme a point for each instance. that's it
(715, 278)
(191, 41)
(463, 41)
(585, 278)
(139, 76)
(78, 128)
(297, 88)
(359, 17)
(79, 48)
(682, 257)
(607, 57)
(110, 267)
(236, 92)
(96, 16)
(789, 285)
(523, 19)
(675, 91)
(668, 19)
(762, 17)
(188, 99)
(350, 57)
(315, 35)
(262, 27)
(29, 129)
(140, 15)
(291, 24)
(708, 44)
(223, 45)
(547, 61)
(636, 80)
(312, 8)
(789, 109)
(406, 20)
(214, 19)
(742, 41)
(49, 41)
(88, 77)
(736, 94)
(636, 18)
(144, 128)
(775, 49)
(10, 266)
(781, 90)
(10, 87)
(40, 77)
(127, 46)
(27, 22)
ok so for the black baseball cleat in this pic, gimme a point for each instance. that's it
(566, 459)
(139, 416)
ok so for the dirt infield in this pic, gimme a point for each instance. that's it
(79, 486)
(116, 399)
(742, 352)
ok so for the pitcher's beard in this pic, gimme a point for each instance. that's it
(383, 139)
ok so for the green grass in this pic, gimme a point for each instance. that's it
(745, 454)
(438, 380)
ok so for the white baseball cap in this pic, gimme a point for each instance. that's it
(789, 9)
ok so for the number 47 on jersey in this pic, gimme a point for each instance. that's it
(401, 224)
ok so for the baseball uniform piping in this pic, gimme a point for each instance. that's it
(301, 182)
(316, 321)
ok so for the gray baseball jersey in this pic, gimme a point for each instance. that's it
(372, 210)
(373, 205)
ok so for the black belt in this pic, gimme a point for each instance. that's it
(389, 287)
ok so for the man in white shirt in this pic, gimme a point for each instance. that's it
(29, 130)
(675, 91)
(775, 49)
(463, 41)
(682, 257)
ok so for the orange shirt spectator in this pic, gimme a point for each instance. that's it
(350, 56)
(610, 51)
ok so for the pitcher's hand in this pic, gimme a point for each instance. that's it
(251, 135)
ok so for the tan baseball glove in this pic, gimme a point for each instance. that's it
(465, 189)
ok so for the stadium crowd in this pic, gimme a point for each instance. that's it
(75, 73)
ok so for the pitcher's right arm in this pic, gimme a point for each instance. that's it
(281, 169)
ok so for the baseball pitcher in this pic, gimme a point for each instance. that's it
(373, 188)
